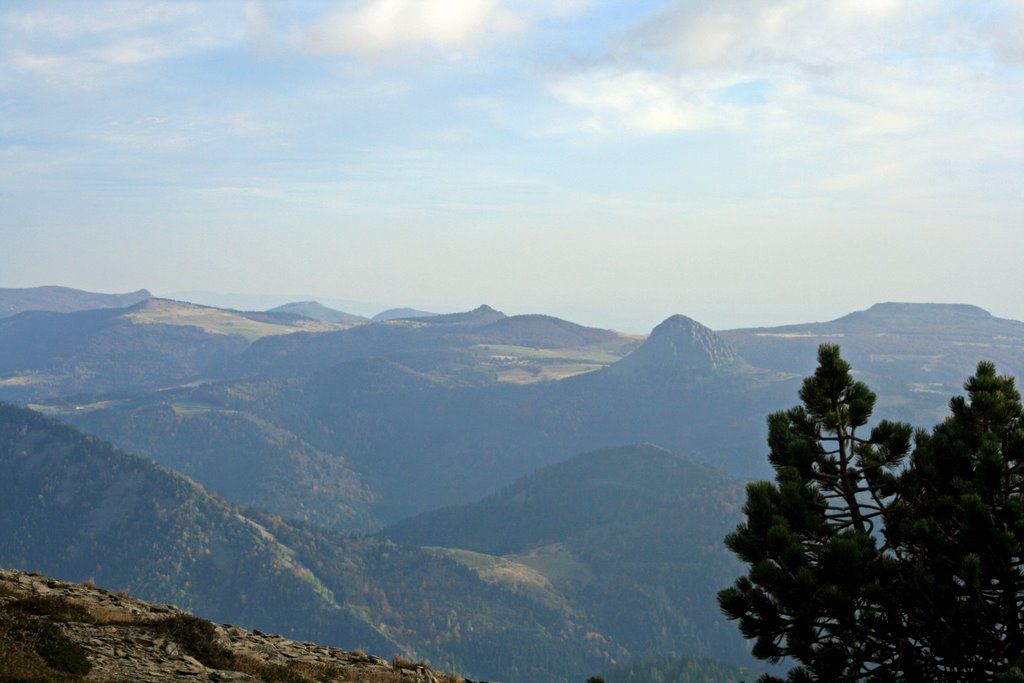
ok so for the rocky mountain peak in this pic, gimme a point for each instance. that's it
(680, 345)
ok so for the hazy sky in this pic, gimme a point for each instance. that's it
(612, 162)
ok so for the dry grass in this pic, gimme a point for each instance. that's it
(112, 616)
(216, 320)
(293, 672)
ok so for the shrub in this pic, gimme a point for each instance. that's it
(197, 637)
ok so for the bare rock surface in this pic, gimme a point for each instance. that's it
(126, 639)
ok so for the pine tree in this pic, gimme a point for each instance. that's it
(820, 571)
(960, 531)
(871, 560)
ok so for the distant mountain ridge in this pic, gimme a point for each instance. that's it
(384, 406)
(441, 344)
(480, 315)
(914, 355)
(402, 313)
(152, 344)
(317, 311)
(62, 299)
(916, 317)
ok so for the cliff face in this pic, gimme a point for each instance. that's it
(55, 630)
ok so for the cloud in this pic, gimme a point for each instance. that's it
(857, 68)
(375, 27)
(810, 35)
(636, 101)
(387, 28)
(889, 100)
(1006, 36)
(61, 44)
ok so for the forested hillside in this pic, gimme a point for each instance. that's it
(588, 591)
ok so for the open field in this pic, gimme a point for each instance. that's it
(525, 365)
(220, 321)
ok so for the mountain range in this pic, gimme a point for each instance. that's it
(577, 594)
(557, 492)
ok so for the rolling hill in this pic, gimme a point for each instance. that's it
(62, 300)
(631, 534)
(150, 345)
(317, 311)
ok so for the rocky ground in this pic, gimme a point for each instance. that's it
(60, 631)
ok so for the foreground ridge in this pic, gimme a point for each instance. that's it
(62, 631)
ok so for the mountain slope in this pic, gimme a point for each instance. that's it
(45, 355)
(317, 311)
(630, 535)
(563, 501)
(679, 347)
(62, 300)
(75, 507)
(151, 345)
(243, 458)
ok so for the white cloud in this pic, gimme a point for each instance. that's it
(812, 35)
(637, 101)
(69, 45)
(374, 27)
(383, 28)
(882, 72)
(888, 101)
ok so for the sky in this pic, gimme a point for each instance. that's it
(612, 162)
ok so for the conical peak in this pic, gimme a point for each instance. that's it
(680, 345)
(689, 344)
(678, 323)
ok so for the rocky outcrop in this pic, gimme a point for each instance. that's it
(119, 638)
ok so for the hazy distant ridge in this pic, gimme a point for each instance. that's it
(317, 311)
(62, 300)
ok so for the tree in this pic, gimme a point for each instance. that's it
(960, 533)
(888, 555)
